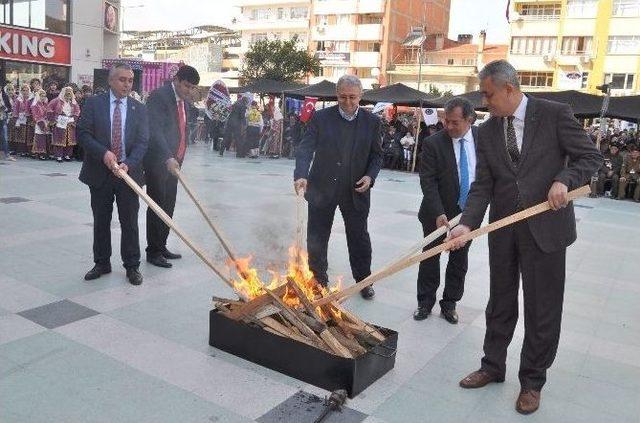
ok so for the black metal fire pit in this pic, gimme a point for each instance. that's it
(302, 361)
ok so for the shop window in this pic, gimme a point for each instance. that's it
(48, 15)
(18, 72)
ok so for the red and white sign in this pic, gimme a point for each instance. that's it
(34, 46)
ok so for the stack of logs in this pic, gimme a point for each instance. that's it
(330, 327)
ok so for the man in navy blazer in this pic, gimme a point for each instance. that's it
(168, 134)
(113, 131)
(337, 162)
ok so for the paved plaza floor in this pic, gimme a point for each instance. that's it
(106, 351)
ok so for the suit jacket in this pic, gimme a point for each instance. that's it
(164, 130)
(94, 135)
(318, 157)
(555, 147)
(439, 177)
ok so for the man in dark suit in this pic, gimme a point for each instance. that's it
(168, 134)
(529, 151)
(447, 170)
(114, 132)
(337, 162)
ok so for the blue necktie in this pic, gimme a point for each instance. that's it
(464, 175)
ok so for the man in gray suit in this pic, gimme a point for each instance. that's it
(529, 151)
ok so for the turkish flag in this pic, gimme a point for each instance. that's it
(308, 108)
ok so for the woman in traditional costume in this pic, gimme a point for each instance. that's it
(65, 112)
(39, 112)
(24, 121)
(10, 99)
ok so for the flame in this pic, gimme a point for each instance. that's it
(249, 285)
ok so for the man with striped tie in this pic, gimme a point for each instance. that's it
(447, 169)
(113, 131)
(168, 111)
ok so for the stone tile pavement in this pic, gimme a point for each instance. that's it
(105, 351)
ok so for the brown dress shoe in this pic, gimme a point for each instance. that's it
(478, 379)
(528, 401)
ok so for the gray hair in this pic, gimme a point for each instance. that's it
(501, 72)
(349, 80)
(465, 106)
(118, 66)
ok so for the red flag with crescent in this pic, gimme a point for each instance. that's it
(308, 108)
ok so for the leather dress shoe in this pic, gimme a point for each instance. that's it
(478, 379)
(159, 261)
(96, 272)
(134, 276)
(368, 293)
(528, 401)
(171, 256)
(421, 313)
(450, 316)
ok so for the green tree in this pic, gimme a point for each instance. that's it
(435, 91)
(280, 60)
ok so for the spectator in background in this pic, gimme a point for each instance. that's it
(39, 111)
(392, 149)
(53, 92)
(630, 173)
(236, 123)
(254, 129)
(65, 113)
(609, 172)
(292, 135)
(407, 141)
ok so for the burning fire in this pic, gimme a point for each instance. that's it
(250, 286)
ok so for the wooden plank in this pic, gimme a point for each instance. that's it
(447, 245)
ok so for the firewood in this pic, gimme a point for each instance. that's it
(334, 344)
(351, 344)
(362, 326)
(256, 303)
(304, 300)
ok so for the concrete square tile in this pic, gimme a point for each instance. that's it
(57, 314)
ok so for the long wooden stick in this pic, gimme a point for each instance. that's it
(398, 266)
(429, 238)
(213, 226)
(171, 224)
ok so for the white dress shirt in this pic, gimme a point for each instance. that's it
(470, 149)
(518, 121)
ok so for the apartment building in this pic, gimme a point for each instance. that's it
(576, 44)
(361, 37)
(272, 19)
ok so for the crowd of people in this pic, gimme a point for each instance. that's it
(40, 124)
(618, 176)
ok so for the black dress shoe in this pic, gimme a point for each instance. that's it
(421, 313)
(368, 293)
(134, 276)
(159, 261)
(96, 272)
(171, 256)
(450, 316)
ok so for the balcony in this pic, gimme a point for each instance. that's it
(369, 32)
(243, 3)
(247, 24)
(365, 59)
(334, 32)
(348, 7)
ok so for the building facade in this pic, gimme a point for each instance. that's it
(576, 44)
(358, 37)
(56, 40)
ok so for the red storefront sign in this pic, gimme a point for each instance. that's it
(34, 46)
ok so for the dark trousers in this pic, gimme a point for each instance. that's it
(358, 242)
(232, 133)
(514, 252)
(429, 275)
(102, 207)
(162, 188)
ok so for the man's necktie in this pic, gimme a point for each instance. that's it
(116, 131)
(512, 142)
(182, 126)
(464, 175)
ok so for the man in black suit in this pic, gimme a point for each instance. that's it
(337, 162)
(447, 170)
(114, 132)
(529, 151)
(168, 134)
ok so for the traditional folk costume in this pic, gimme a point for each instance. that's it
(24, 126)
(39, 112)
(11, 117)
(65, 115)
